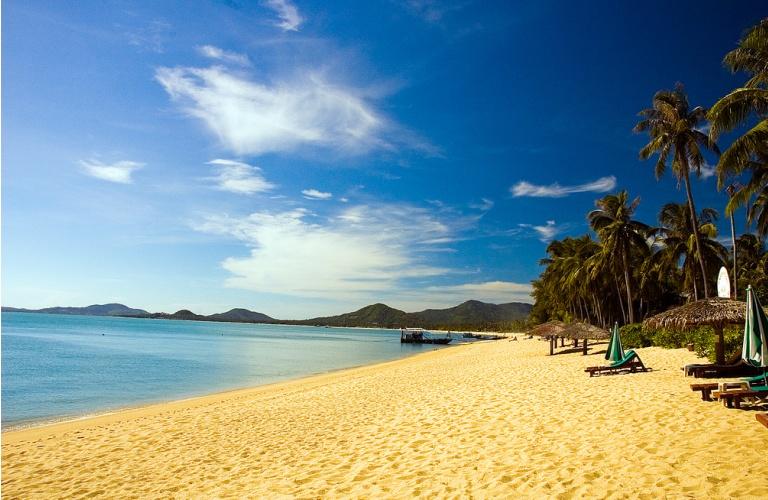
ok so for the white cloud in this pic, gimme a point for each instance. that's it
(484, 205)
(223, 55)
(344, 200)
(239, 177)
(524, 188)
(290, 19)
(360, 252)
(545, 232)
(707, 171)
(314, 194)
(253, 118)
(548, 231)
(119, 172)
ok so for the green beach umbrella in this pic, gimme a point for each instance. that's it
(615, 352)
(755, 347)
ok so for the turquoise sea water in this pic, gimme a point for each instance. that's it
(58, 366)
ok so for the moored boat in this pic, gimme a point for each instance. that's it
(421, 336)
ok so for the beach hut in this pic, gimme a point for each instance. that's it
(584, 332)
(714, 312)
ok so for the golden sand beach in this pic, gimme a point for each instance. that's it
(486, 420)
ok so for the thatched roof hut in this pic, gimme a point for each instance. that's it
(547, 329)
(715, 312)
(582, 331)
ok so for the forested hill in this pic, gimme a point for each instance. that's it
(471, 315)
(92, 310)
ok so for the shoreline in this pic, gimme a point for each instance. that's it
(68, 423)
(504, 418)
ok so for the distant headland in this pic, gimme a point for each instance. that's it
(470, 315)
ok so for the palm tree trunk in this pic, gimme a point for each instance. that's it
(695, 222)
(630, 308)
(621, 302)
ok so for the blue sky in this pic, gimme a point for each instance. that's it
(302, 158)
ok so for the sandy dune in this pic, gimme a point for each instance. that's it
(497, 419)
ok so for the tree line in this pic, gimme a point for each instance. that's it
(632, 269)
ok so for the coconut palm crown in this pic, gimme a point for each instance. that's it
(673, 128)
(748, 152)
(620, 235)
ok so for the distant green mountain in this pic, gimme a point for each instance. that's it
(242, 316)
(470, 315)
(373, 316)
(92, 310)
(471, 312)
(231, 316)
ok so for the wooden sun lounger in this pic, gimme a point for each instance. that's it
(739, 369)
(762, 418)
(706, 390)
(630, 364)
(733, 398)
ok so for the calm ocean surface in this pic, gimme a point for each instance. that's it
(58, 366)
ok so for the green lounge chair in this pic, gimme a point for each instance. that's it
(630, 363)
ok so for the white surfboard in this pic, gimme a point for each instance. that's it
(723, 284)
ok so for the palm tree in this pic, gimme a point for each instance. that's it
(673, 130)
(749, 152)
(677, 246)
(753, 263)
(619, 235)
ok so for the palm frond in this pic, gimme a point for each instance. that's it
(733, 109)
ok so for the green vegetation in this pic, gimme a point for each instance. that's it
(633, 270)
(702, 339)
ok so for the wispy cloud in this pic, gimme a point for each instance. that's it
(314, 194)
(290, 19)
(239, 177)
(432, 11)
(119, 172)
(223, 55)
(485, 204)
(545, 232)
(252, 118)
(707, 171)
(151, 37)
(524, 188)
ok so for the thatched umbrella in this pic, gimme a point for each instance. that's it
(549, 330)
(715, 312)
(581, 331)
(584, 332)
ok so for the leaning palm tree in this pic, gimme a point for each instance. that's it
(749, 152)
(673, 128)
(620, 235)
